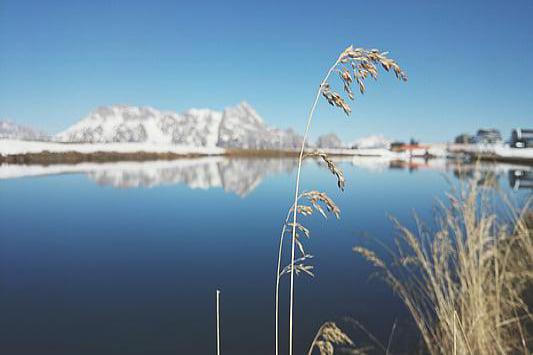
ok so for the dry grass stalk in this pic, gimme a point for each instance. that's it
(329, 337)
(316, 197)
(331, 166)
(353, 65)
(317, 200)
(463, 284)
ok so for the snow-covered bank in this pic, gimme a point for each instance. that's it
(13, 147)
(495, 151)
(517, 153)
(498, 152)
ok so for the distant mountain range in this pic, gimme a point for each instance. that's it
(238, 127)
(235, 127)
(11, 130)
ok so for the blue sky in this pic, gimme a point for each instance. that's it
(468, 61)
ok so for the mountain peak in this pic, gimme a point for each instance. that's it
(245, 105)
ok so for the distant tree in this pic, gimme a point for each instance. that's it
(330, 140)
(396, 146)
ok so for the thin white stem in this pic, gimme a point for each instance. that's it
(283, 230)
(296, 195)
(218, 322)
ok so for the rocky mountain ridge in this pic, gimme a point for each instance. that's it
(235, 127)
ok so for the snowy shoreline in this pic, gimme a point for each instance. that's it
(18, 147)
(498, 152)
(46, 152)
(11, 147)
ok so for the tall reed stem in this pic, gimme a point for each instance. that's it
(218, 322)
(283, 231)
(296, 195)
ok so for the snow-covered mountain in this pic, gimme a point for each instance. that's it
(11, 130)
(235, 127)
(122, 123)
(369, 142)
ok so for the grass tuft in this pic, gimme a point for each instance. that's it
(465, 283)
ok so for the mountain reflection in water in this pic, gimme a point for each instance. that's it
(242, 175)
(238, 176)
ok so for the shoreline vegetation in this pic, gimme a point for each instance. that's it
(465, 279)
(466, 282)
(73, 157)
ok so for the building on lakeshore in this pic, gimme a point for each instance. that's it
(464, 138)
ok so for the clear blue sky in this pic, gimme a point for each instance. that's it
(469, 62)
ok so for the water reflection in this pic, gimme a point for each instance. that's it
(517, 176)
(521, 178)
(242, 175)
(238, 176)
(136, 270)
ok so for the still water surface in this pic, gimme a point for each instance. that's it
(125, 258)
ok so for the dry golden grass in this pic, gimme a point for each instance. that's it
(341, 182)
(330, 337)
(464, 284)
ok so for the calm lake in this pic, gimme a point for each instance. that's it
(125, 258)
